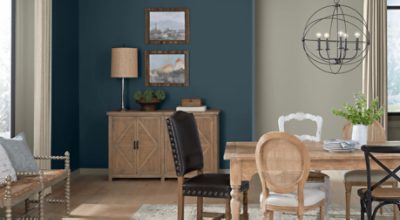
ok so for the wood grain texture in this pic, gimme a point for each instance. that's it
(283, 172)
(139, 145)
(241, 156)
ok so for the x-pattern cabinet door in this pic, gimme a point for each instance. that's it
(149, 154)
(122, 153)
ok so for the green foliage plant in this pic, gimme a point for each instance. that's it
(149, 95)
(360, 112)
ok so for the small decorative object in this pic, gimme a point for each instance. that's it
(167, 68)
(191, 102)
(336, 38)
(124, 64)
(149, 99)
(360, 115)
(167, 26)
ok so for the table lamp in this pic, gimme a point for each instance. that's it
(124, 64)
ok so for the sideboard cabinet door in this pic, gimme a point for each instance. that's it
(122, 134)
(150, 144)
(139, 145)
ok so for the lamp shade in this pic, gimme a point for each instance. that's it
(124, 62)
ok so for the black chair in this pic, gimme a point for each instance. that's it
(374, 192)
(188, 157)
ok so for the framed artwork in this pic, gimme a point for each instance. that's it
(167, 68)
(167, 26)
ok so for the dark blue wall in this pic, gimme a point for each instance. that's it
(221, 67)
(65, 96)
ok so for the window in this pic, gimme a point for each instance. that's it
(393, 42)
(6, 36)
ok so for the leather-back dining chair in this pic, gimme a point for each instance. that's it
(188, 157)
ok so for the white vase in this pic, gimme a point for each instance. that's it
(360, 134)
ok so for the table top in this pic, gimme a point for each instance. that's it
(245, 150)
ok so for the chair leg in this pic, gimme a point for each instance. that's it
(395, 210)
(327, 185)
(362, 205)
(181, 199)
(199, 208)
(41, 205)
(228, 209)
(67, 183)
(271, 215)
(348, 197)
(322, 211)
(264, 214)
(245, 206)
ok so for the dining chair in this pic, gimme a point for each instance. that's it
(188, 157)
(358, 178)
(374, 191)
(283, 176)
(315, 178)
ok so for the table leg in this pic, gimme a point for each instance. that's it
(235, 202)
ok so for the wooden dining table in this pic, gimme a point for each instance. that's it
(243, 164)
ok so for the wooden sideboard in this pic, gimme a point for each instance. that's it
(139, 146)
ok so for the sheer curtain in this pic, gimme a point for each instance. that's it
(42, 80)
(375, 64)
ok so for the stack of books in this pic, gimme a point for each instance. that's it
(338, 145)
(192, 105)
(192, 109)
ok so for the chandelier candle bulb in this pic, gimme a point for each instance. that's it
(318, 35)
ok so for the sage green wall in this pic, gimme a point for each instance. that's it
(287, 82)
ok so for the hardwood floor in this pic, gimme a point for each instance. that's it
(94, 197)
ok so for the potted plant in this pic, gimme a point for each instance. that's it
(360, 115)
(149, 99)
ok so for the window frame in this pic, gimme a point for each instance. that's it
(13, 64)
(393, 7)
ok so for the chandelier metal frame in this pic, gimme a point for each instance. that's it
(336, 50)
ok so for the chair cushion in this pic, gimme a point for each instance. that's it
(211, 185)
(361, 176)
(312, 196)
(382, 194)
(314, 176)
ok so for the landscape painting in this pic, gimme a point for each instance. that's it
(166, 68)
(167, 26)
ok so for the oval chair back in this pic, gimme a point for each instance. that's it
(283, 163)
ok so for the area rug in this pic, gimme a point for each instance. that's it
(168, 212)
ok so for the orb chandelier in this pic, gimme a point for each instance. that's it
(336, 38)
